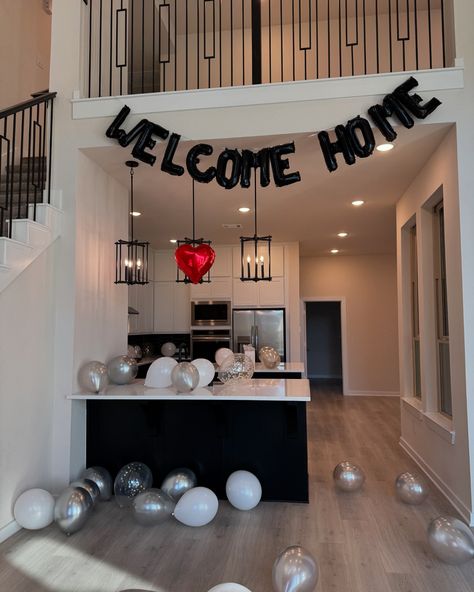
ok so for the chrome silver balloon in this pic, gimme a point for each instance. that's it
(72, 508)
(151, 507)
(131, 480)
(348, 476)
(411, 489)
(91, 488)
(269, 356)
(295, 570)
(93, 377)
(122, 369)
(185, 377)
(451, 540)
(102, 478)
(178, 482)
(235, 368)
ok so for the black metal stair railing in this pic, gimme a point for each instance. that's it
(145, 46)
(26, 133)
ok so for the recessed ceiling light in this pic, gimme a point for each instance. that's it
(334, 251)
(358, 202)
(135, 213)
(244, 210)
(385, 147)
(342, 234)
(173, 240)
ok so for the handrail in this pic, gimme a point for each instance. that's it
(27, 104)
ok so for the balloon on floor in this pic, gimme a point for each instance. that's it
(243, 490)
(197, 507)
(91, 488)
(151, 507)
(34, 509)
(102, 478)
(131, 480)
(72, 508)
(411, 489)
(229, 587)
(451, 540)
(348, 476)
(295, 570)
(178, 482)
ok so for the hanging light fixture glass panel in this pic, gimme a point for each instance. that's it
(131, 262)
(255, 254)
(181, 278)
(131, 256)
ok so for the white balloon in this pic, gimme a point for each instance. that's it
(159, 373)
(229, 587)
(206, 371)
(197, 507)
(34, 509)
(221, 354)
(168, 349)
(243, 490)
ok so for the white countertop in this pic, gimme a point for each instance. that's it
(259, 389)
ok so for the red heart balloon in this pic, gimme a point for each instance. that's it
(194, 261)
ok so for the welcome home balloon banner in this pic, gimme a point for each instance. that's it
(353, 140)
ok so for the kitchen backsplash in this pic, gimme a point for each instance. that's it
(154, 341)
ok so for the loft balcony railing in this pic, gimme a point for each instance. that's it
(25, 159)
(148, 46)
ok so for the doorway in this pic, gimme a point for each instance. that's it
(324, 345)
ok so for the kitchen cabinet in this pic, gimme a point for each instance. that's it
(164, 266)
(259, 293)
(141, 298)
(223, 262)
(278, 260)
(171, 308)
(219, 288)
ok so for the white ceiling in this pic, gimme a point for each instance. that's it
(311, 212)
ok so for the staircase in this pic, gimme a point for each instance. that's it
(29, 223)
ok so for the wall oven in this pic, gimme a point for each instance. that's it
(205, 342)
(211, 313)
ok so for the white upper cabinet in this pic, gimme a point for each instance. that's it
(172, 308)
(277, 261)
(223, 263)
(141, 299)
(219, 288)
(164, 268)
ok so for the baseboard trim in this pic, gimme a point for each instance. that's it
(448, 493)
(9, 530)
(372, 394)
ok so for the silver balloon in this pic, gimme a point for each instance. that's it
(177, 482)
(131, 480)
(451, 540)
(91, 488)
(269, 356)
(102, 479)
(236, 367)
(295, 570)
(122, 369)
(72, 509)
(93, 377)
(348, 476)
(153, 506)
(411, 489)
(185, 377)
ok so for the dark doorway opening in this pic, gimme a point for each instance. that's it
(324, 344)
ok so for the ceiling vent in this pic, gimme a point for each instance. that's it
(48, 6)
(232, 226)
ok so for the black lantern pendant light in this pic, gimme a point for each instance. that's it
(131, 256)
(255, 252)
(194, 242)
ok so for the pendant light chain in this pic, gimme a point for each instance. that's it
(131, 205)
(194, 216)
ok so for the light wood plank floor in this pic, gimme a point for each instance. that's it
(364, 542)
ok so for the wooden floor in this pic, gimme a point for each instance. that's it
(364, 542)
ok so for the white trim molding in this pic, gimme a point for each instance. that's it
(448, 493)
(438, 423)
(373, 394)
(9, 530)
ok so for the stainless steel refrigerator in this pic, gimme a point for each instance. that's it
(259, 327)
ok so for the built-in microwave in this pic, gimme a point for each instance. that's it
(210, 312)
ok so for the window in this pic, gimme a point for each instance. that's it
(415, 322)
(441, 304)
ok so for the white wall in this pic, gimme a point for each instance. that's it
(425, 433)
(25, 35)
(367, 283)
(26, 371)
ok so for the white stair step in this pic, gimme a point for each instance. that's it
(49, 216)
(14, 253)
(32, 233)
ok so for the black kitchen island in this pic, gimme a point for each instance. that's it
(259, 426)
